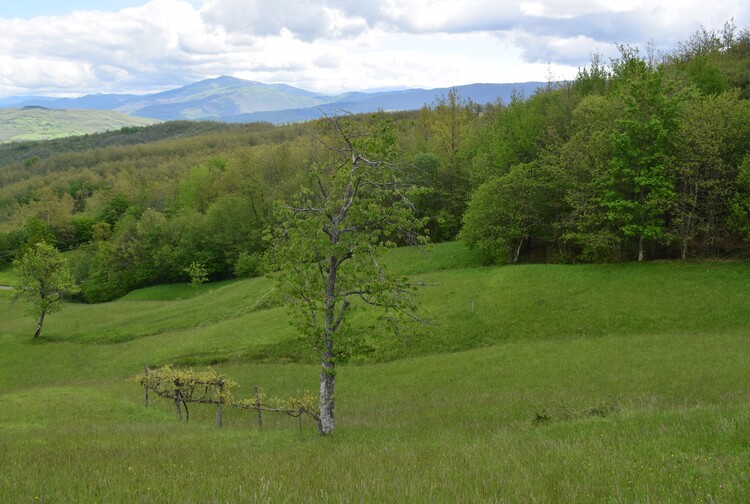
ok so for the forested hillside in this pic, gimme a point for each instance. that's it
(643, 157)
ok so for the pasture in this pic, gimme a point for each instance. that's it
(529, 383)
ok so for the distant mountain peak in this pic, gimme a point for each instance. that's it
(229, 78)
(223, 79)
(233, 99)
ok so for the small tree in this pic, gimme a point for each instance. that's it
(327, 243)
(43, 279)
(198, 275)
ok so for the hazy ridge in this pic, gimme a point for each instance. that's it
(237, 100)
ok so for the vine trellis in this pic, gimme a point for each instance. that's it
(208, 387)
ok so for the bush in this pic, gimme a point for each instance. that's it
(247, 265)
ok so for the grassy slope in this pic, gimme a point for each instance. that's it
(572, 383)
(7, 276)
(45, 124)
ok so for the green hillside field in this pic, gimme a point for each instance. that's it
(27, 124)
(529, 383)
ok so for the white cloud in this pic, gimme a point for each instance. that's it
(304, 19)
(334, 45)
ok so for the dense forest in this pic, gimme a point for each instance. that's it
(644, 157)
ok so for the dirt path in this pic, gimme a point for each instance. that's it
(6, 287)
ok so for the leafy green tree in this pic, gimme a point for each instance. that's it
(507, 212)
(641, 182)
(425, 170)
(10, 244)
(452, 119)
(740, 217)
(735, 65)
(55, 212)
(326, 244)
(593, 79)
(197, 189)
(696, 62)
(714, 134)
(588, 234)
(714, 61)
(38, 231)
(518, 133)
(233, 226)
(447, 126)
(248, 265)
(43, 279)
(114, 209)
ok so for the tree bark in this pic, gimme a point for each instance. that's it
(39, 326)
(328, 371)
(518, 249)
(327, 385)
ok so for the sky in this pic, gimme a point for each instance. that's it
(77, 47)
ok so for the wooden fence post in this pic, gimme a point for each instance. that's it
(257, 406)
(178, 397)
(145, 401)
(177, 403)
(219, 412)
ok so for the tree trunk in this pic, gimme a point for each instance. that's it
(328, 371)
(39, 326)
(640, 248)
(327, 383)
(177, 404)
(518, 249)
(684, 250)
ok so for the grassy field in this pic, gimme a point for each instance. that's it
(532, 383)
(7, 276)
(45, 124)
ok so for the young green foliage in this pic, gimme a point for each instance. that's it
(641, 187)
(198, 275)
(43, 280)
(326, 244)
(506, 212)
(204, 385)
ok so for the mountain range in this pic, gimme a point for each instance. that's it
(237, 100)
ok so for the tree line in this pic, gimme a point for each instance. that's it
(646, 156)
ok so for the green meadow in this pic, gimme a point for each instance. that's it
(526, 383)
(27, 124)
